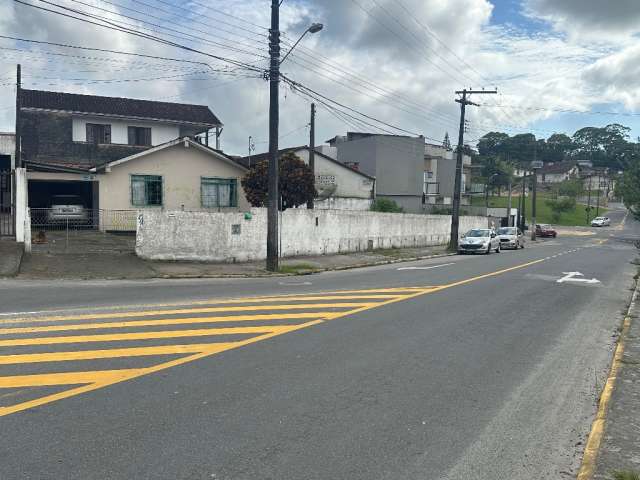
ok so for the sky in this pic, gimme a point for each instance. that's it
(387, 66)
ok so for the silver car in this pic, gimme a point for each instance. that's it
(67, 208)
(510, 237)
(479, 240)
(601, 222)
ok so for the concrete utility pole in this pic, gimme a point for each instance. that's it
(509, 206)
(274, 80)
(18, 153)
(523, 215)
(455, 214)
(589, 201)
(312, 148)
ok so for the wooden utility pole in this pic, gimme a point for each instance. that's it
(455, 214)
(18, 153)
(312, 149)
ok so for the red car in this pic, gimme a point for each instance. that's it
(543, 230)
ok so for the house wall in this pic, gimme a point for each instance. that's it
(160, 133)
(230, 237)
(48, 137)
(396, 162)
(349, 184)
(181, 169)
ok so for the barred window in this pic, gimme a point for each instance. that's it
(146, 190)
(140, 136)
(98, 133)
(219, 192)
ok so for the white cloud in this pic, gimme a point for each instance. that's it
(589, 17)
(382, 45)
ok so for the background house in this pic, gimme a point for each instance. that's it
(557, 172)
(339, 187)
(397, 163)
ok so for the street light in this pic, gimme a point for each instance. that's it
(273, 248)
(313, 28)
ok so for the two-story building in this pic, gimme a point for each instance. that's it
(124, 154)
(397, 163)
(440, 175)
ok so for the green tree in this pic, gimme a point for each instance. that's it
(296, 182)
(558, 147)
(493, 144)
(629, 188)
(385, 205)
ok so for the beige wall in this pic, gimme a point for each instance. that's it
(181, 169)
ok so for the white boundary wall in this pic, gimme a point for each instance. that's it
(232, 237)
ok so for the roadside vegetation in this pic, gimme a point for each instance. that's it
(557, 211)
(385, 205)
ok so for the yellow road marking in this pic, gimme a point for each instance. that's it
(149, 313)
(114, 353)
(165, 321)
(591, 449)
(68, 378)
(116, 337)
(162, 366)
(211, 349)
(337, 295)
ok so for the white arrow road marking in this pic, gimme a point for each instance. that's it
(571, 277)
(294, 283)
(426, 268)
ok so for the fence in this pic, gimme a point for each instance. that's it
(7, 209)
(56, 219)
(79, 230)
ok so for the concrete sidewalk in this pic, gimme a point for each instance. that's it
(620, 447)
(126, 265)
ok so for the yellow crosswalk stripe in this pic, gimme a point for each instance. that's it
(115, 353)
(68, 378)
(114, 337)
(182, 311)
(165, 321)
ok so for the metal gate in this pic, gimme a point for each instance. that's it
(7, 210)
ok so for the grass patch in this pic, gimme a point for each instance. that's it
(577, 217)
(626, 475)
(298, 268)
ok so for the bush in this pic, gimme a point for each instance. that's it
(385, 205)
(560, 206)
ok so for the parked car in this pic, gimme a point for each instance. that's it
(479, 240)
(601, 222)
(544, 230)
(510, 237)
(67, 208)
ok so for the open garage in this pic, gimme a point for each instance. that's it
(42, 191)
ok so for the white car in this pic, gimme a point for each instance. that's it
(601, 222)
(510, 237)
(479, 240)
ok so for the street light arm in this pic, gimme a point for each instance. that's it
(313, 28)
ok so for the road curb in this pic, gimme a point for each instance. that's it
(592, 448)
(308, 272)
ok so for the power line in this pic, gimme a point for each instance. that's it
(112, 26)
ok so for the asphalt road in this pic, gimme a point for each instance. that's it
(473, 367)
